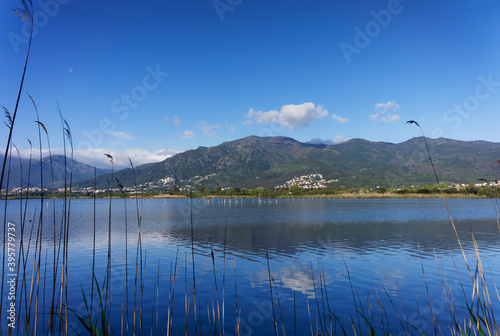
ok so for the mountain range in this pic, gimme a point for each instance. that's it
(272, 161)
(21, 168)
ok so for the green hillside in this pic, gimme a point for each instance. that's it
(270, 161)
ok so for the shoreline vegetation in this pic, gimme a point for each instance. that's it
(471, 191)
(310, 197)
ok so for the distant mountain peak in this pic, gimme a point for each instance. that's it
(51, 166)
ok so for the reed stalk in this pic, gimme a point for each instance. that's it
(279, 308)
(120, 185)
(93, 249)
(157, 297)
(26, 14)
(224, 279)
(67, 134)
(216, 291)
(171, 292)
(237, 322)
(108, 266)
(186, 303)
(428, 294)
(138, 260)
(5, 223)
(442, 194)
(271, 293)
(317, 301)
(193, 265)
(22, 257)
(54, 271)
(38, 253)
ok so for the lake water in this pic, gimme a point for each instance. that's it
(330, 263)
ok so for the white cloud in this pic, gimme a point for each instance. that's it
(208, 130)
(387, 106)
(177, 121)
(187, 134)
(25, 153)
(95, 156)
(336, 140)
(122, 135)
(291, 116)
(248, 122)
(340, 119)
(299, 278)
(386, 112)
(230, 127)
(263, 117)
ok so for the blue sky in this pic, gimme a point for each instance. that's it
(147, 79)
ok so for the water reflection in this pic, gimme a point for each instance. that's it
(285, 227)
(368, 245)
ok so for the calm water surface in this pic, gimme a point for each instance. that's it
(319, 254)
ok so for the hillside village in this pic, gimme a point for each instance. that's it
(313, 181)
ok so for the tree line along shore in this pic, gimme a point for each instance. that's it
(426, 191)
